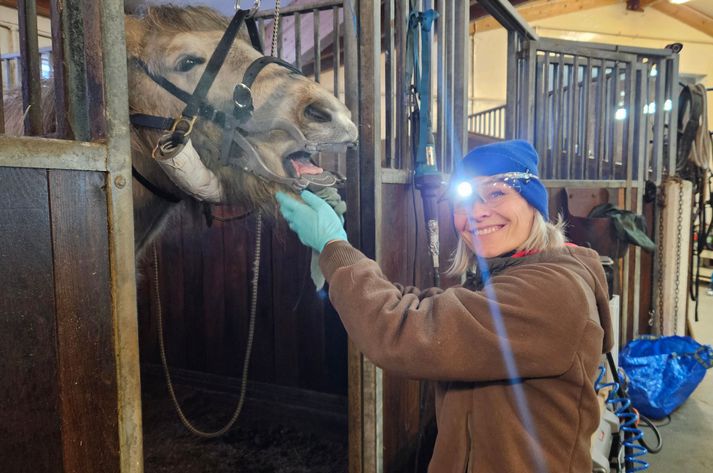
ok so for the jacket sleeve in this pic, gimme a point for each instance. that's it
(527, 322)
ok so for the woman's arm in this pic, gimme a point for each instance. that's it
(537, 314)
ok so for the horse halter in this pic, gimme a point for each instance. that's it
(197, 106)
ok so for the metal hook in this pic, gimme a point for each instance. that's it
(253, 9)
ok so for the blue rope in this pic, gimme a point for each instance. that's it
(628, 420)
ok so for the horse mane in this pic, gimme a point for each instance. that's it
(181, 19)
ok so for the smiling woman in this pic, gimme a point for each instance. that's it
(514, 349)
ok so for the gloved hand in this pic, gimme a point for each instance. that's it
(331, 196)
(315, 222)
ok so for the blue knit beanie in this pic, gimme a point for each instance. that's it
(502, 157)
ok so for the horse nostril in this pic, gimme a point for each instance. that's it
(314, 113)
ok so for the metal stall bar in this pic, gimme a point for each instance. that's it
(317, 45)
(401, 128)
(461, 62)
(369, 177)
(574, 145)
(558, 117)
(447, 86)
(586, 119)
(441, 99)
(30, 66)
(671, 92)
(298, 41)
(611, 118)
(635, 201)
(121, 235)
(546, 120)
(336, 49)
(389, 115)
(657, 148)
(601, 124)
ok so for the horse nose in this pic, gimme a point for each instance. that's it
(317, 114)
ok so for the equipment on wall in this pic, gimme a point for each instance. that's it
(427, 177)
(694, 158)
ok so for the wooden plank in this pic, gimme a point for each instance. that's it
(238, 252)
(262, 366)
(538, 10)
(213, 314)
(43, 6)
(676, 247)
(189, 347)
(46, 153)
(688, 15)
(30, 438)
(89, 403)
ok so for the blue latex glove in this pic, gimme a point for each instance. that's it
(315, 222)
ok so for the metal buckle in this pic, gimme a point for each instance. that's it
(187, 122)
(242, 96)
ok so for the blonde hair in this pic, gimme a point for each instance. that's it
(544, 235)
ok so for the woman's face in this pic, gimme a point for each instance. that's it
(495, 221)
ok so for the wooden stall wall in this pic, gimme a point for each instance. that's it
(405, 259)
(205, 275)
(58, 387)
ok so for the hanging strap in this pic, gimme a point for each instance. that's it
(420, 25)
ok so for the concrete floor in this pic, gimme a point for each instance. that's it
(688, 439)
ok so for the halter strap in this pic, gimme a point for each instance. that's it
(214, 64)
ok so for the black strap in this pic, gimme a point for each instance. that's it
(205, 110)
(255, 37)
(258, 64)
(151, 121)
(153, 188)
(214, 64)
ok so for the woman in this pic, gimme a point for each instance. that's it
(514, 350)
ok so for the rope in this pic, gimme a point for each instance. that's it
(248, 348)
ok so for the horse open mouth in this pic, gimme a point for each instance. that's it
(301, 164)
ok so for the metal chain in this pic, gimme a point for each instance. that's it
(248, 347)
(275, 28)
(659, 257)
(679, 229)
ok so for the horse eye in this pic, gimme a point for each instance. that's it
(186, 63)
(314, 113)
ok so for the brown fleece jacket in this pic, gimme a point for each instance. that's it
(531, 411)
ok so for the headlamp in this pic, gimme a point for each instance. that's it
(488, 190)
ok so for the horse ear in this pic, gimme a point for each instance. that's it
(135, 31)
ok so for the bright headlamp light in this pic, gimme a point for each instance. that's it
(464, 189)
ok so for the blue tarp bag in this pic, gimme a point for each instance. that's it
(663, 372)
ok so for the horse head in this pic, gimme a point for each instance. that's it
(290, 110)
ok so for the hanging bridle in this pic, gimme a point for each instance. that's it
(198, 107)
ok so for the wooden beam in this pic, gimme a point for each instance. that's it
(687, 15)
(43, 6)
(541, 9)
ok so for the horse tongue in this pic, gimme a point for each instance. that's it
(304, 166)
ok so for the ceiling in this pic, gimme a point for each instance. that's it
(699, 13)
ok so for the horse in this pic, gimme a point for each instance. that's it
(176, 43)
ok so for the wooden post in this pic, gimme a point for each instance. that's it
(676, 247)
